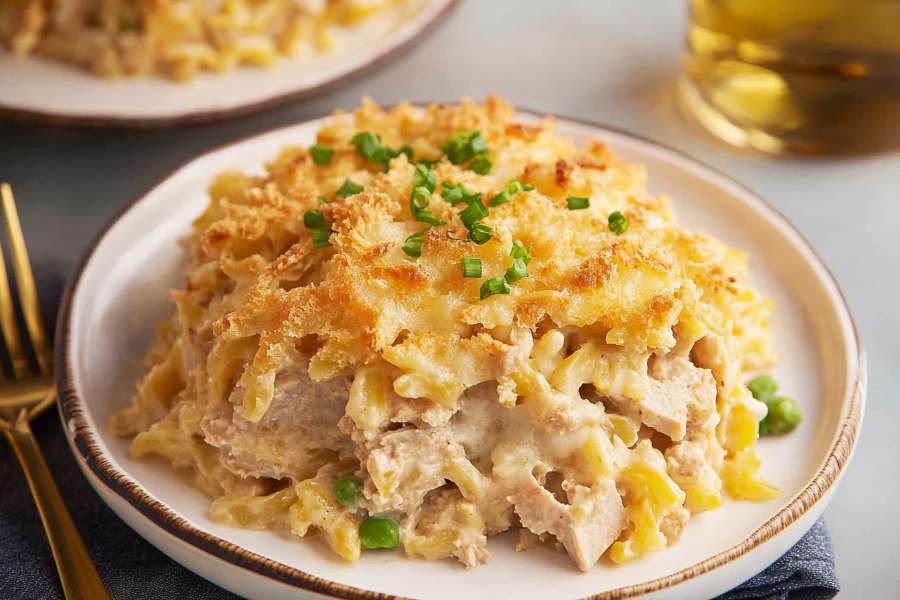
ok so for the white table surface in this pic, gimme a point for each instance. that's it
(609, 61)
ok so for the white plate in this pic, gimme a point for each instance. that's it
(120, 292)
(43, 89)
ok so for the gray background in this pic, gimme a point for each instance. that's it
(612, 62)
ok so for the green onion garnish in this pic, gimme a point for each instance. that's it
(473, 213)
(320, 238)
(577, 203)
(463, 146)
(418, 203)
(321, 154)
(517, 270)
(520, 251)
(513, 188)
(498, 199)
(370, 147)
(349, 188)
(458, 194)
(494, 285)
(423, 177)
(618, 223)
(481, 165)
(420, 198)
(521, 256)
(408, 151)
(323, 200)
(314, 219)
(480, 233)
(471, 267)
(413, 244)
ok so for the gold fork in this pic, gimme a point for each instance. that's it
(26, 396)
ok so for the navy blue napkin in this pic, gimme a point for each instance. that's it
(133, 569)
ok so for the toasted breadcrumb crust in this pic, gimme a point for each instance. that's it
(598, 404)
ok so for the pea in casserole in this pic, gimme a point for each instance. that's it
(438, 324)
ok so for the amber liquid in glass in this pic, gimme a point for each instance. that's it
(806, 76)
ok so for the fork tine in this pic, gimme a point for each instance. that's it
(8, 318)
(28, 297)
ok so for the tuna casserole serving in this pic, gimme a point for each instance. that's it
(179, 38)
(438, 324)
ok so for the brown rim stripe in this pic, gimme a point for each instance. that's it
(204, 117)
(71, 410)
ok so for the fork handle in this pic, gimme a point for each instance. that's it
(77, 572)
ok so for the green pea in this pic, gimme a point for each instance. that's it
(763, 388)
(348, 489)
(784, 415)
(379, 532)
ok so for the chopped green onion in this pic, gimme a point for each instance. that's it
(323, 200)
(314, 219)
(520, 251)
(517, 270)
(423, 177)
(453, 194)
(514, 187)
(413, 244)
(464, 145)
(426, 216)
(471, 267)
(477, 144)
(349, 188)
(763, 387)
(527, 187)
(577, 203)
(480, 233)
(370, 147)
(379, 532)
(618, 223)
(473, 213)
(418, 202)
(498, 199)
(494, 285)
(481, 165)
(321, 154)
(348, 489)
(408, 151)
(320, 238)
(420, 198)
(458, 194)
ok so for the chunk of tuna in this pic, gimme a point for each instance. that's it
(678, 394)
(586, 527)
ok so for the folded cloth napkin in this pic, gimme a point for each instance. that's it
(132, 568)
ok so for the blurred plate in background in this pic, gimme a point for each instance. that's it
(37, 88)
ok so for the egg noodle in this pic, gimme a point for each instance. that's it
(177, 38)
(593, 402)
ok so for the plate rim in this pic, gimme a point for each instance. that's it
(83, 440)
(393, 50)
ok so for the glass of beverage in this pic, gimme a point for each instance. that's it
(804, 76)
